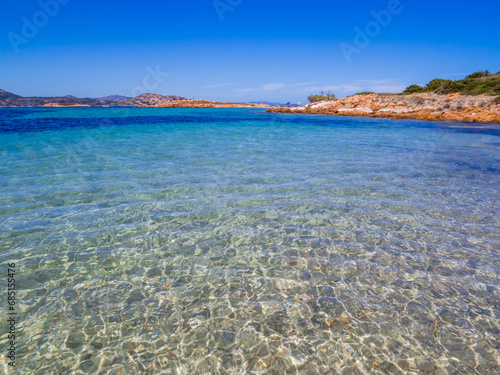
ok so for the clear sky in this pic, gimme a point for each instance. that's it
(241, 49)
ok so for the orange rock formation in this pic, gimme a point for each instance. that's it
(425, 106)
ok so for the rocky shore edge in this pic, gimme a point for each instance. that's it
(422, 106)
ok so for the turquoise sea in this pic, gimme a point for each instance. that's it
(195, 241)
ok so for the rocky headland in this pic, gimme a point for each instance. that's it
(474, 98)
(420, 106)
(148, 100)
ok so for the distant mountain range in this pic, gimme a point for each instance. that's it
(8, 99)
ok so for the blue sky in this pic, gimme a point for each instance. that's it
(241, 50)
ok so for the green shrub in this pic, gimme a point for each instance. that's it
(439, 84)
(414, 89)
(365, 93)
(479, 74)
(496, 100)
(329, 95)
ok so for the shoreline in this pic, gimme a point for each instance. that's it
(189, 103)
(423, 106)
(201, 104)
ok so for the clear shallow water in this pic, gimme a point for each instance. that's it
(236, 241)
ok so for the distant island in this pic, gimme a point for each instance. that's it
(475, 98)
(8, 99)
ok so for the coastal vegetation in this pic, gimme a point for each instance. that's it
(322, 96)
(485, 73)
(477, 83)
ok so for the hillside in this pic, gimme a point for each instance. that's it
(148, 100)
(7, 96)
(8, 99)
(479, 83)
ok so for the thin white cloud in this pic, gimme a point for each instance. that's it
(274, 86)
(302, 84)
(314, 89)
(266, 87)
(376, 85)
(246, 90)
(349, 87)
(374, 81)
(215, 86)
